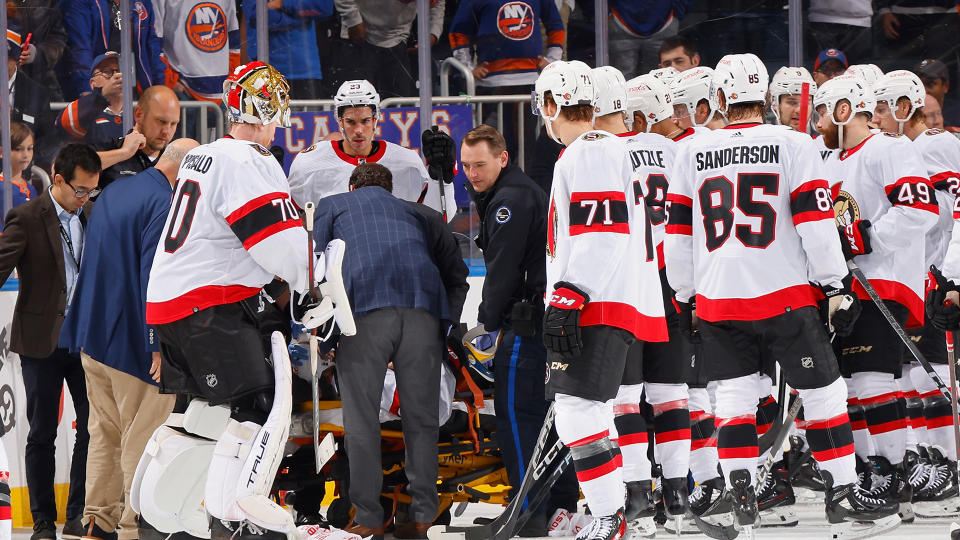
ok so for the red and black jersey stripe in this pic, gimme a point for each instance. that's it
(936, 410)
(631, 426)
(702, 425)
(811, 202)
(595, 456)
(913, 191)
(737, 437)
(679, 214)
(831, 438)
(263, 216)
(948, 181)
(599, 211)
(767, 411)
(883, 413)
(671, 421)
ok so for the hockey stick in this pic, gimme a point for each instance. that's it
(952, 361)
(507, 520)
(308, 210)
(804, 125)
(766, 441)
(782, 433)
(544, 490)
(857, 273)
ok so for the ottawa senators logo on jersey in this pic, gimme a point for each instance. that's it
(845, 207)
(515, 20)
(934, 131)
(552, 230)
(206, 27)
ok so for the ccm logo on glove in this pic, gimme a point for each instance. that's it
(566, 299)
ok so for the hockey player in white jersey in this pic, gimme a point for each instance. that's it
(749, 202)
(900, 98)
(231, 229)
(786, 91)
(601, 264)
(324, 168)
(659, 369)
(693, 104)
(884, 204)
(650, 108)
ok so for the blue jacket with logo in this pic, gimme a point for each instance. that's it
(88, 36)
(293, 41)
(107, 318)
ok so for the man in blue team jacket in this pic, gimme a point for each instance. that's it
(120, 354)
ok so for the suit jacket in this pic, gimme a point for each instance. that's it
(31, 243)
(446, 255)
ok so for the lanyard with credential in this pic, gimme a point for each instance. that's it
(66, 238)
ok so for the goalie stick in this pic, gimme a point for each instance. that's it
(952, 362)
(901, 333)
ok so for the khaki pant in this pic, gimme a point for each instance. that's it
(124, 412)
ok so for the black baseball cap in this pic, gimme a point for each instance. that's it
(932, 69)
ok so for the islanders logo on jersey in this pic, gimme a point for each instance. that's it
(515, 20)
(206, 27)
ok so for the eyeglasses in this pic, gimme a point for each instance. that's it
(107, 72)
(81, 193)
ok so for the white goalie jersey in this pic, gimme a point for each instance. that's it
(600, 239)
(231, 228)
(324, 169)
(750, 224)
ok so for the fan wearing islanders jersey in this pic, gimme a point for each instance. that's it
(324, 168)
(602, 267)
(750, 237)
(884, 206)
(661, 370)
(900, 98)
(232, 227)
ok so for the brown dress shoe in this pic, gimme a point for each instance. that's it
(411, 529)
(366, 533)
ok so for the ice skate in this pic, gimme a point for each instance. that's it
(675, 501)
(640, 509)
(803, 469)
(225, 530)
(710, 510)
(939, 497)
(918, 470)
(705, 495)
(776, 499)
(612, 527)
(852, 513)
(743, 502)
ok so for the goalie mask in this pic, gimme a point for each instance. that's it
(611, 89)
(357, 93)
(256, 93)
(900, 84)
(650, 97)
(569, 84)
(690, 89)
(742, 78)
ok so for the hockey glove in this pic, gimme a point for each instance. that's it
(840, 309)
(942, 306)
(561, 320)
(312, 313)
(855, 239)
(440, 152)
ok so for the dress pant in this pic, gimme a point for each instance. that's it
(411, 339)
(43, 380)
(124, 412)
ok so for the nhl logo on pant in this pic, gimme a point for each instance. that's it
(806, 362)
(211, 379)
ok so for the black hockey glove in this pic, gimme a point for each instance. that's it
(944, 314)
(304, 309)
(840, 310)
(440, 152)
(687, 317)
(561, 320)
(855, 239)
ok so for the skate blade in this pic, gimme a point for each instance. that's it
(779, 517)
(805, 495)
(748, 532)
(851, 530)
(687, 525)
(906, 512)
(937, 509)
(644, 527)
(439, 532)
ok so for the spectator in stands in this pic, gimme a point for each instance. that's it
(679, 53)
(829, 64)
(637, 29)
(30, 101)
(844, 24)
(932, 114)
(21, 157)
(398, 311)
(293, 41)
(41, 20)
(201, 44)
(120, 357)
(155, 117)
(378, 33)
(508, 53)
(936, 80)
(96, 115)
(43, 240)
(94, 28)
(917, 28)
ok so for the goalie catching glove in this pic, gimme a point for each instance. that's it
(855, 239)
(561, 321)
(441, 154)
(840, 309)
(943, 303)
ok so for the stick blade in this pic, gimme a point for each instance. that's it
(447, 532)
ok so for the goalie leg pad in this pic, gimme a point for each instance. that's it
(333, 287)
(247, 456)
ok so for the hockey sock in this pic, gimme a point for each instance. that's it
(703, 443)
(596, 459)
(939, 421)
(633, 441)
(886, 421)
(671, 421)
(828, 431)
(906, 389)
(916, 417)
(858, 423)
(766, 414)
(737, 436)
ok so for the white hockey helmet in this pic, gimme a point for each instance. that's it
(691, 88)
(742, 78)
(569, 84)
(651, 97)
(611, 90)
(868, 72)
(897, 84)
(668, 75)
(256, 93)
(849, 87)
(356, 93)
(788, 81)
